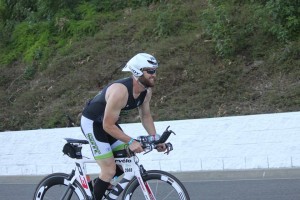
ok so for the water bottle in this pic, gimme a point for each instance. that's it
(148, 139)
(151, 138)
(117, 189)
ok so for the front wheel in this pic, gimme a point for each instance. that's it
(162, 184)
(56, 186)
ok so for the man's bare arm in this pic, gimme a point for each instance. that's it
(116, 98)
(145, 114)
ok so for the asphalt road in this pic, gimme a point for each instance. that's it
(283, 184)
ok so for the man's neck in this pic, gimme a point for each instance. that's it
(138, 87)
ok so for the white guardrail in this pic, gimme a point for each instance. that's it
(225, 143)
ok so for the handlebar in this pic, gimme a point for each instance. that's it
(148, 146)
(164, 137)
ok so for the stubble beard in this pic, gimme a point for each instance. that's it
(147, 83)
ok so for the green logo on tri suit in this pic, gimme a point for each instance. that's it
(93, 144)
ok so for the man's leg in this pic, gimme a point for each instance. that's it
(108, 170)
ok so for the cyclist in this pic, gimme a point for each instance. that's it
(99, 121)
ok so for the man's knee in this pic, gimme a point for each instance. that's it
(108, 169)
(111, 171)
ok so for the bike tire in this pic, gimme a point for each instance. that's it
(163, 185)
(53, 186)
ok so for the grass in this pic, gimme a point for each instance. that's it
(260, 76)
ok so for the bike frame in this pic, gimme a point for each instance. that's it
(131, 170)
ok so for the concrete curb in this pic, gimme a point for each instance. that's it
(191, 176)
(239, 174)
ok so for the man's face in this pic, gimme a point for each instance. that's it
(148, 78)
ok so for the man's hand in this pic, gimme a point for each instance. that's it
(161, 147)
(136, 147)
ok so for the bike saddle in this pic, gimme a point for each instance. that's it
(72, 140)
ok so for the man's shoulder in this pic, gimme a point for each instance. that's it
(117, 87)
(117, 90)
(124, 80)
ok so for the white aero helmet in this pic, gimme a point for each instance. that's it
(140, 61)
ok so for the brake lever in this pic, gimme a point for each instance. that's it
(169, 148)
(149, 147)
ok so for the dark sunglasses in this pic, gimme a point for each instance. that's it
(150, 71)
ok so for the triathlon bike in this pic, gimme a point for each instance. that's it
(136, 182)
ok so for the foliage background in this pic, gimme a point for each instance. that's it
(217, 58)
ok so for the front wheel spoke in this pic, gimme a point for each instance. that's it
(168, 194)
(156, 188)
(163, 185)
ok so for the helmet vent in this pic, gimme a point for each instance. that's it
(151, 62)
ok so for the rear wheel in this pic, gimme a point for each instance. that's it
(162, 184)
(55, 186)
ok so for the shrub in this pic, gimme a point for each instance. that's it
(29, 72)
(218, 25)
(230, 23)
(280, 18)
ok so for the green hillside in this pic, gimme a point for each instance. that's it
(216, 59)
